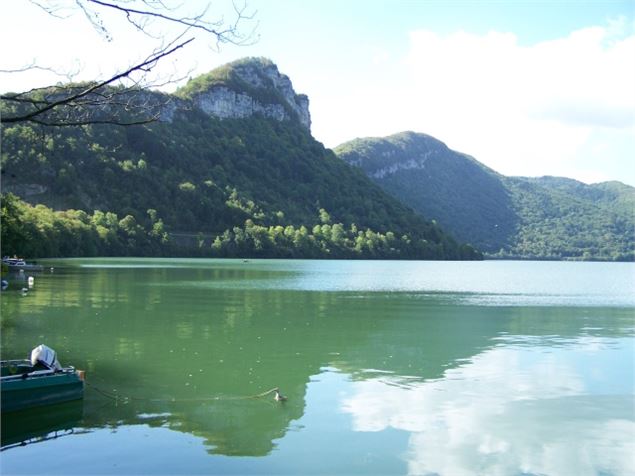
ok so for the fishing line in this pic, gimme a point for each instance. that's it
(125, 399)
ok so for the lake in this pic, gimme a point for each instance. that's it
(449, 368)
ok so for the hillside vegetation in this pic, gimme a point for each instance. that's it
(507, 217)
(233, 187)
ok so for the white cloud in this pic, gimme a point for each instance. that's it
(588, 79)
(523, 110)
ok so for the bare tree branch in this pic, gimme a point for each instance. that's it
(73, 99)
(112, 122)
(94, 20)
(51, 8)
(107, 101)
(194, 22)
(33, 66)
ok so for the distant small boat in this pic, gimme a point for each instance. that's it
(38, 381)
(16, 264)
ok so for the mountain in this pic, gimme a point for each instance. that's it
(230, 168)
(515, 217)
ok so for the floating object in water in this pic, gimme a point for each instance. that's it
(30, 280)
(25, 291)
(278, 397)
(5, 284)
(19, 264)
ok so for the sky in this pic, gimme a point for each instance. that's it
(527, 88)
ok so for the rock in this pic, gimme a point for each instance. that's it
(245, 88)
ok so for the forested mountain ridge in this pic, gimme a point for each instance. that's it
(231, 162)
(513, 217)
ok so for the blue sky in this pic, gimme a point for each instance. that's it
(527, 88)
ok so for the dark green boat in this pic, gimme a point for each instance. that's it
(39, 381)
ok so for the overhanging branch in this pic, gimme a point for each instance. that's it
(73, 100)
(125, 93)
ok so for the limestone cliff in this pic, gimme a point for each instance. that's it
(245, 88)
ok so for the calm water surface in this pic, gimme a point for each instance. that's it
(493, 368)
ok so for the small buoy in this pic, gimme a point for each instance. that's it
(31, 281)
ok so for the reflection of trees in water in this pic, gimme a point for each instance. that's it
(174, 339)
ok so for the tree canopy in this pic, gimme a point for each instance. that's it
(506, 217)
(219, 187)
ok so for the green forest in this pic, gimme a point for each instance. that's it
(38, 231)
(253, 187)
(506, 217)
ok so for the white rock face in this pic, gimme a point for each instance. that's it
(416, 163)
(223, 102)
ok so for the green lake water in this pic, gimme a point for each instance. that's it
(448, 368)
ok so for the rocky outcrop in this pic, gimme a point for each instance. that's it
(264, 74)
(246, 88)
(414, 163)
(225, 103)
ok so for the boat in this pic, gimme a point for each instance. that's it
(38, 381)
(17, 264)
(13, 261)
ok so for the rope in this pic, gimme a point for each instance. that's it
(263, 394)
(117, 398)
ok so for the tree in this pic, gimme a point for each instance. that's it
(324, 216)
(121, 97)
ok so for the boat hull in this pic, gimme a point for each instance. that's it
(18, 394)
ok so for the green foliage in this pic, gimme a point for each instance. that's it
(462, 196)
(566, 219)
(330, 241)
(324, 216)
(203, 175)
(37, 231)
(234, 182)
(507, 217)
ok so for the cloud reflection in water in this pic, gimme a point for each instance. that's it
(512, 409)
